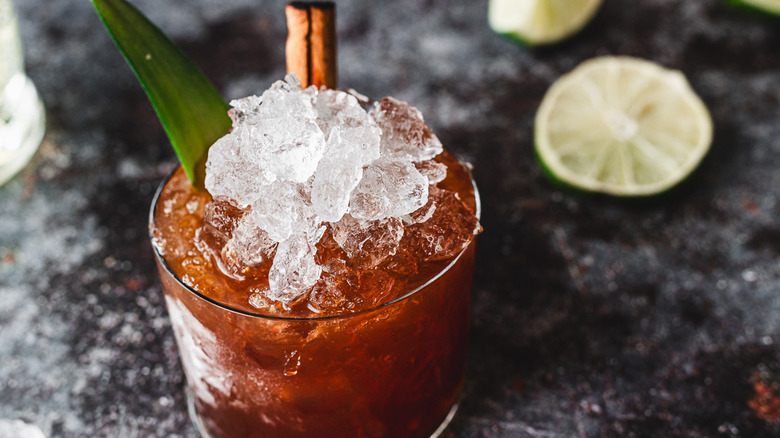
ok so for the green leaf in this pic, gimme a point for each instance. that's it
(192, 112)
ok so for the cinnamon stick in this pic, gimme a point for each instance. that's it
(311, 43)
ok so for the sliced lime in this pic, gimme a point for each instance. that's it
(622, 126)
(768, 6)
(538, 22)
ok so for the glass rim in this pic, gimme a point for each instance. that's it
(162, 262)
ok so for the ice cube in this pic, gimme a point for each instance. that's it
(315, 232)
(303, 167)
(249, 245)
(423, 213)
(389, 188)
(294, 270)
(334, 182)
(340, 172)
(334, 290)
(230, 174)
(283, 99)
(446, 233)
(274, 137)
(220, 218)
(282, 209)
(402, 264)
(349, 289)
(352, 142)
(241, 108)
(338, 109)
(328, 250)
(285, 149)
(404, 132)
(328, 295)
(259, 300)
(435, 172)
(368, 243)
(375, 285)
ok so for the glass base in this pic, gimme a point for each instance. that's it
(196, 420)
(22, 124)
(450, 415)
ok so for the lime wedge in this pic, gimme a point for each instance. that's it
(768, 6)
(538, 22)
(621, 126)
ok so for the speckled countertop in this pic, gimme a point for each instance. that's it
(592, 317)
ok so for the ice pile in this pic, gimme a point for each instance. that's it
(300, 162)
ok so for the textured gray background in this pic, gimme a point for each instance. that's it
(593, 317)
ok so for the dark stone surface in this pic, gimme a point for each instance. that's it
(593, 317)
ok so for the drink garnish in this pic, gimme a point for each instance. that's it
(190, 109)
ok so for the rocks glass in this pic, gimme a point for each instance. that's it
(394, 370)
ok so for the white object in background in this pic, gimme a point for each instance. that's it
(19, 429)
(22, 118)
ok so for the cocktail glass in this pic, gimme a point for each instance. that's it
(394, 370)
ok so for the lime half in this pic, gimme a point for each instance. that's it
(622, 126)
(768, 6)
(538, 22)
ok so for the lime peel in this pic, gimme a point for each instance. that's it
(771, 7)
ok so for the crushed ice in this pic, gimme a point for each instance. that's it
(301, 159)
